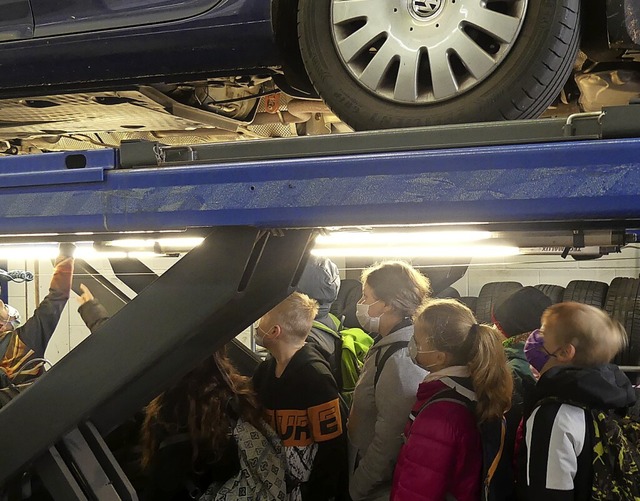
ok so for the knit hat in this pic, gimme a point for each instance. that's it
(521, 311)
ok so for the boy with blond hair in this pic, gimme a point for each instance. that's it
(572, 350)
(300, 396)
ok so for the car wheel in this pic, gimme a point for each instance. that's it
(401, 63)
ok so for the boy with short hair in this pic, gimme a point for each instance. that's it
(300, 396)
(572, 351)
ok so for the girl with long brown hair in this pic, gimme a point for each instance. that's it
(187, 441)
(469, 383)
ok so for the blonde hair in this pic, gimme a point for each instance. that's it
(594, 335)
(295, 315)
(451, 328)
(398, 284)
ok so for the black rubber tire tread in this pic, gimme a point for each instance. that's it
(553, 292)
(587, 292)
(489, 295)
(469, 301)
(623, 304)
(525, 84)
(448, 292)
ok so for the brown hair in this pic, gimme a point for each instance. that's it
(451, 328)
(398, 284)
(197, 405)
(295, 315)
(595, 336)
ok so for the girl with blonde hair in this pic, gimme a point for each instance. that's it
(469, 384)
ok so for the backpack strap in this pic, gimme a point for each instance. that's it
(325, 328)
(338, 322)
(381, 358)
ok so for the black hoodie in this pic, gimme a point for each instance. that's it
(303, 407)
(559, 435)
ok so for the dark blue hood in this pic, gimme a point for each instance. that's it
(603, 387)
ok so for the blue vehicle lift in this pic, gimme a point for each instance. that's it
(259, 204)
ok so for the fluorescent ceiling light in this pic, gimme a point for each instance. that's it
(396, 244)
(84, 250)
(436, 251)
(150, 243)
(364, 239)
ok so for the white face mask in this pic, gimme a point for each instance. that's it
(369, 323)
(413, 350)
(259, 334)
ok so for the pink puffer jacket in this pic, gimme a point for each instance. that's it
(443, 454)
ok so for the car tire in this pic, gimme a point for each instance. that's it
(529, 76)
(469, 301)
(553, 292)
(623, 304)
(491, 294)
(586, 291)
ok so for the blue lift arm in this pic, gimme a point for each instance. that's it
(575, 181)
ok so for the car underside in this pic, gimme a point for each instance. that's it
(603, 69)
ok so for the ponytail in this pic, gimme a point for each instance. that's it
(452, 329)
(490, 374)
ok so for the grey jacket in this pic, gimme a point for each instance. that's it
(378, 417)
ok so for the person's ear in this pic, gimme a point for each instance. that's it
(442, 358)
(566, 353)
(387, 308)
(274, 332)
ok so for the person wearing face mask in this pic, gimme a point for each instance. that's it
(572, 352)
(386, 389)
(469, 384)
(300, 396)
(22, 344)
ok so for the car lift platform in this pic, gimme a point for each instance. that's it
(259, 203)
(532, 171)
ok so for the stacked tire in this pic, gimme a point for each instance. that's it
(623, 304)
(490, 295)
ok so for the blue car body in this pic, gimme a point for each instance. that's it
(48, 46)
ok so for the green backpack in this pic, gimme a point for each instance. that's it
(615, 454)
(354, 345)
(616, 457)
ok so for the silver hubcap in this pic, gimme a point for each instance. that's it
(422, 51)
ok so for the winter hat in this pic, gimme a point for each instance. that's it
(320, 280)
(521, 311)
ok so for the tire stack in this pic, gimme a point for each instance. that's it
(587, 292)
(621, 300)
(491, 294)
(623, 304)
(553, 292)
